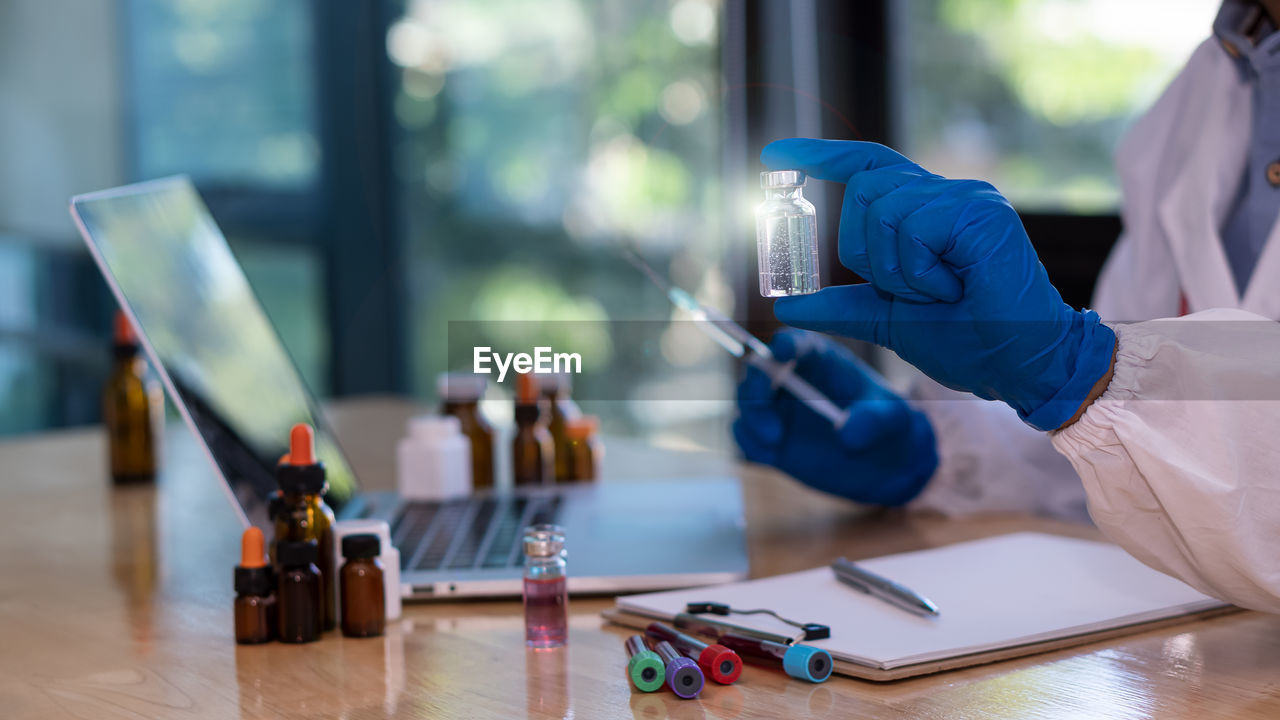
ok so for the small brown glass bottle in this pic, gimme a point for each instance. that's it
(132, 410)
(585, 451)
(364, 602)
(255, 607)
(532, 450)
(302, 514)
(298, 592)
(558, 411)
(460, 394)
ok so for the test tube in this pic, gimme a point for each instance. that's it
(804, 662)
(683, 676)
(643, 665)
(722, 664)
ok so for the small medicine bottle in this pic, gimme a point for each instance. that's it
(546, 595)
(298, 592)
(132, 410)
(302, 515)
(255, 606)
(584, 451)
(460, 395)
(532, 449)
(364, 608)
(433, 461)
(558, 410)
(786, 236)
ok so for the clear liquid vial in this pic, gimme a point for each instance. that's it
(786, 236)
(546, 596)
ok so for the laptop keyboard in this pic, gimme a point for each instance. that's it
(468, 533)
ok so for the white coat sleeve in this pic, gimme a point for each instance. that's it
(1178, 457)
(991, 461)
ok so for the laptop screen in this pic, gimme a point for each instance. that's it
(221, 358)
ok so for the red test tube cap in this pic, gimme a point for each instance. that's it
(720, 664)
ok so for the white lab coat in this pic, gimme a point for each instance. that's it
(1179, 167)
(1185, 479)
(1179, 455)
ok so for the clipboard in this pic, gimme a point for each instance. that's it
(1000, 598)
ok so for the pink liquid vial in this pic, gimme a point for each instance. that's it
(546, 597)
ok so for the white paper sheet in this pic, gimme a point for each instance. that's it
(993, 593)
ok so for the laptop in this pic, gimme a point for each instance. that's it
(231, 379)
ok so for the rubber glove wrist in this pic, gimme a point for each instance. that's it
(1096, 344)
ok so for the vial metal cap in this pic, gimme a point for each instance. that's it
(543, 540)
(782, 178)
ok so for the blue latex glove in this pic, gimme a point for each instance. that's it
(884, 454)
(955, 287)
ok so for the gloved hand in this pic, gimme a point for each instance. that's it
(955, 287)
(884, 454)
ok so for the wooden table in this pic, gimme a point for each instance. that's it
(117, 604)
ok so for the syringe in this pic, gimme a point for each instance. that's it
(741, 343)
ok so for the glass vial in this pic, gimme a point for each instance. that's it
(364, 606)
(255, 606)
(460, 394)
(132, 410)
(786, 236)
(546, 596)
(298, 591)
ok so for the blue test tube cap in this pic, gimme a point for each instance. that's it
(806, 662)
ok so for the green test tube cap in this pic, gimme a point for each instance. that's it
(646, 670)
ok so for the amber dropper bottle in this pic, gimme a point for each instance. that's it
(558, 411)
(298, 592)
(255, 601)
(532, 450)
(585, 452)
(301, 513)
(132, 409)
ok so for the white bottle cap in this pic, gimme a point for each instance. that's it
(434, 427)
(460, 387)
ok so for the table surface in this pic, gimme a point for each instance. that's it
(116, 603)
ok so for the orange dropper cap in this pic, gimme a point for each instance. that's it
(251, 545)
(302, 445)
(581, 428)
(526, 389)
(252, 575)
(300, 471)
(124, 332)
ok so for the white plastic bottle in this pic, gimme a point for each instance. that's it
(434, 459)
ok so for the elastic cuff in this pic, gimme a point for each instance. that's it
(1096, 349)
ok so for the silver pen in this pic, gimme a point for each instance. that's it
(883, 588)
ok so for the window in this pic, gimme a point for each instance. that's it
(536, 140)
(224, 91)
(1033, 95)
